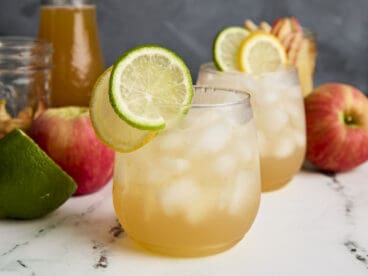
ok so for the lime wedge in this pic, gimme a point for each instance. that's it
(226, 47)
(31, 183)
(149, 85)
(109, 127)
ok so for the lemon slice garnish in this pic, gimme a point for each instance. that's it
(261, 52)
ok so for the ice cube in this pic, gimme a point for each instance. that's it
(293, 108)
(248, 84)
(224, 165)
(176, 165)
(241, 189)
(280, 79)
(200, 119)
(284, 147)
(296, 114)
(293, 92)
(299, 137)
(176, 197)
(170, 142)
(197, 210)
(272, 120)
(212, 139)
(267, 96)
(236, 116)
(247, 152)
(169, 167)
(149, 174)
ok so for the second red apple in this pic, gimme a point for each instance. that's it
(337, 127)
(67, 136)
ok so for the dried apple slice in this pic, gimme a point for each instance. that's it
(304, 64)
(284, 30)
(295, 24)
(294, 47)
(276, 26)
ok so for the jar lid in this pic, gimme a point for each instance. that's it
(67, 2)
(24, 53)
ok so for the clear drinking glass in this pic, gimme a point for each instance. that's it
(24, 81)
(195, 188)
(277, 103)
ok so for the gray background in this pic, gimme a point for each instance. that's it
(189, 26)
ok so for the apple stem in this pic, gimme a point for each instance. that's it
(350, 120)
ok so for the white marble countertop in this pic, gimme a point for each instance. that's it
(316, 225)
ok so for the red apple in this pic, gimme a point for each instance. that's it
(337, 127)
(67, 136)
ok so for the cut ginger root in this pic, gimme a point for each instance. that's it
(23, 120)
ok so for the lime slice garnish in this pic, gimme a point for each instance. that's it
(31, 183)
(149, 85)
(109, 127)
(226, 47)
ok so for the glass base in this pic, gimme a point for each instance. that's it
(189, 251)
(269, 187)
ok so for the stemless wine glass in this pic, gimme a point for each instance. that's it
(278, 107)
(195, 188)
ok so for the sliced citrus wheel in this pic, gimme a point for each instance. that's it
(261, 52)
(109, 127)
(226, 46)
(149, 85)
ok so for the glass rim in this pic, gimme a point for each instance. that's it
(211, 68)
(244, 98)
(24, 43)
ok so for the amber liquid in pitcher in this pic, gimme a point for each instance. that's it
(77, 58)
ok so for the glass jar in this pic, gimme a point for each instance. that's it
(195, 188)
(24, 81)
(72, 28)
(278, 106)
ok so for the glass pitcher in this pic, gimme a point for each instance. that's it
(77, 59)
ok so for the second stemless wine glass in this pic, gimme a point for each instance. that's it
(278, 107)
(195, 188)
